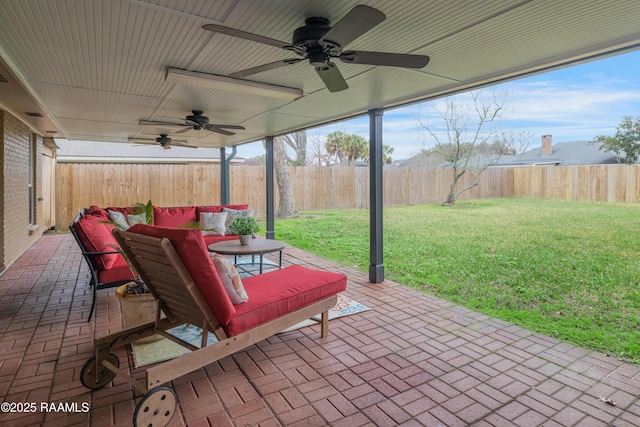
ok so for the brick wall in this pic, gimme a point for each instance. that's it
(16, 234)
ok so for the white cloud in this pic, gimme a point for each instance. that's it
(571, 104)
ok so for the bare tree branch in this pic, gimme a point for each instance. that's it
(468, 137)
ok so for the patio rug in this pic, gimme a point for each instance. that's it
(249, 266)
(164, 349)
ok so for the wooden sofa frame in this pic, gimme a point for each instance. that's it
(178, 297)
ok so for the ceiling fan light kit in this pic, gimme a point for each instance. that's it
(212, 81)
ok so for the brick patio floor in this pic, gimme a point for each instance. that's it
(413, 360)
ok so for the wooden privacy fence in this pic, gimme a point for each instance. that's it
(597, 183)
(318, 188)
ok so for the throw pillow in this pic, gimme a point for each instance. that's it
(233, 214)
(213, 224)
(137, 219)
(230, 279)
(119, 219)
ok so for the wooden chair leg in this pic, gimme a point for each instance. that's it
(324, 328)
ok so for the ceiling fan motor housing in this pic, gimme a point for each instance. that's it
(197, 119)
(306, 41)
(313, 30)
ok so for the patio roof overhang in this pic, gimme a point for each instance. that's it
(93, 69)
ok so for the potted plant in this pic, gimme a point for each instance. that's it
(245, 227)
(136, 302)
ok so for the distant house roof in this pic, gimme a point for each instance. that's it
(118, 152)
(562, 153)
(565, 154)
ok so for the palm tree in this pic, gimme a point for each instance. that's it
(335, 145)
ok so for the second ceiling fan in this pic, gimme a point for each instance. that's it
(195, 121)
(318, 43)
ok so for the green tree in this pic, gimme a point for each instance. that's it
(346, 148)
(386, 154)
(626, 142)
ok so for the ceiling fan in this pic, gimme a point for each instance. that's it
(195, 121)
(318, 42)
(164, 141)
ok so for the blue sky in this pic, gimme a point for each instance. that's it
(571, 104)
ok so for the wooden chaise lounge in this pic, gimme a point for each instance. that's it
(177, 268)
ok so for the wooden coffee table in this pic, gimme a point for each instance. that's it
(255, 247)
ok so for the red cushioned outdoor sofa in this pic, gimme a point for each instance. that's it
(178, 270)
(92, 229)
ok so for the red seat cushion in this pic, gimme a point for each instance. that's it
(96, 236)
(190, 246)
(117, 273)
(279, 292)
(173, 217)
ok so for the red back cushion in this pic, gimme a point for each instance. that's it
(125, 210)
(96, 237)
(237, 207)
(97, 211)
(191, 248)
(173, 217)
(214, 209)
(217, 209)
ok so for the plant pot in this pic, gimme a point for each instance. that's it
(136, 310)
(245, 239)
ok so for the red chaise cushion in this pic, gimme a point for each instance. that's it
(279, 292)
(190, 246)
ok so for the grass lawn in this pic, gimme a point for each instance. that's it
(565, 269)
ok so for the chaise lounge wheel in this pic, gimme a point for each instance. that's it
(94, 375)
(156, 408)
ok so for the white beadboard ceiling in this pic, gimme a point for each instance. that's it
(93, 68)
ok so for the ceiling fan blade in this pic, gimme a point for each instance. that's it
(182, 144)
(141, 141)
(404, 60)
(355, 23)
(216, 129)
(152, 141)
(221, 29)
(186, 129)
(266, 67)
(229, 126)
(332, 77)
